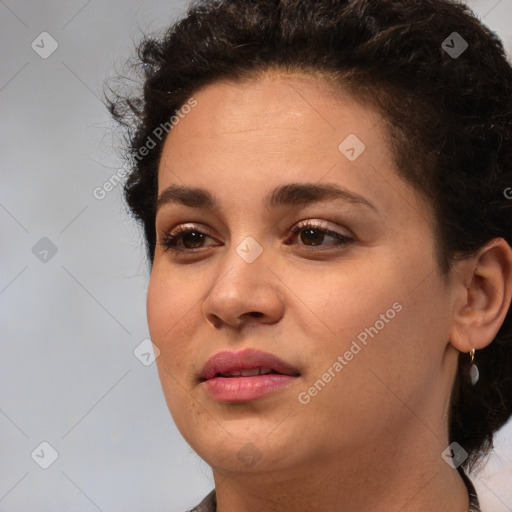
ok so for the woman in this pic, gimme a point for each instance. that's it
(323, 189)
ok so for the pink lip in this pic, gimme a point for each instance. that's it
(240, 388)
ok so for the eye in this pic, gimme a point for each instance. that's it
(313, 235)
(190, 238)
(186, 239)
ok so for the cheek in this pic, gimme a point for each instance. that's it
(350, 303)
(172, 309)
(390, 328)
(405, 338)
(168, 302)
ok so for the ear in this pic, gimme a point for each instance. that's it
(483, 292)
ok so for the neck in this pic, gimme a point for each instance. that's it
(412, 480)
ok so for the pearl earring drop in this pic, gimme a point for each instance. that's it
(474, 374)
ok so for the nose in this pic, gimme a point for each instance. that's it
(246, 293)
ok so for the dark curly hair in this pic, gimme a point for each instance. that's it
(449, 120)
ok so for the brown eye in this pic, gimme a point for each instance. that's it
(184, 239)
(192, 239)
(312, 235)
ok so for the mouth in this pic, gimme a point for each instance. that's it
(248, 372)
(245, 375)
(245, 363)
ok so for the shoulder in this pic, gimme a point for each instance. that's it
(209, 503)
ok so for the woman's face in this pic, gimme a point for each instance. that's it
(352, 302)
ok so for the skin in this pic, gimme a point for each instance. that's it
(372, 438)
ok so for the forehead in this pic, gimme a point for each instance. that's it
(272, 102)
(244, 138)
(291, 120)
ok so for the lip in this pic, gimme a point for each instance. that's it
(240, 388)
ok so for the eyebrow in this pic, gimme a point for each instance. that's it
(284, 195)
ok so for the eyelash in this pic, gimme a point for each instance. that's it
(170, 240)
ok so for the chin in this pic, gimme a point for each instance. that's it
(247, 457)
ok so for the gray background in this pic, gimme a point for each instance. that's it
(70, 321)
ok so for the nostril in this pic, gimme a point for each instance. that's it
(256, 314)
(213, 320)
